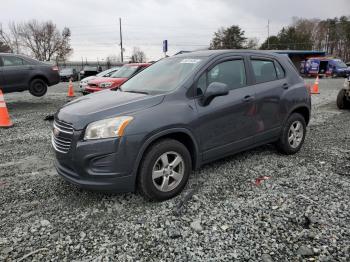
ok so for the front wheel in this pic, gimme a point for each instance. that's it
(38, 87)
(293, 135)
(164, 170)
(342, 101)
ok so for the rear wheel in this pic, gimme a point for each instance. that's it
(293, 135)
(164, 170)
(38, 87)
(342, 101)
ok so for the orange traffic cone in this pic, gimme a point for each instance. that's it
(5, 120)
(314, 89)
(70, 89)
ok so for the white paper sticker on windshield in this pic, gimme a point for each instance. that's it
(190, 61)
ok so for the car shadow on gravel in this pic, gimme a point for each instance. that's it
(24, 105)
(74, 196)
(268, 149)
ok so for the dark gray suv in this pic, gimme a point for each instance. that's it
(19, 73)
(177, 115)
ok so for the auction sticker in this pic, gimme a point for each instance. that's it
(190, 61)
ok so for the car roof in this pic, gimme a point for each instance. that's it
(138, 64)
(211, 53)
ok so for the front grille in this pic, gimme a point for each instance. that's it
(63, 126)
(62, 136)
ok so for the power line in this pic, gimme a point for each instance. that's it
(121, 39)
(268, 34)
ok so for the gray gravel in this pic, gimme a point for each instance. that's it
(301, 213)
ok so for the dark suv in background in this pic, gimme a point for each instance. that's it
(20, 73)
(178, 114)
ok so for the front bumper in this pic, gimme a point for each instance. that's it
(343, 73)
(103, 165)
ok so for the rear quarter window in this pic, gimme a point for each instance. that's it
(279, 70)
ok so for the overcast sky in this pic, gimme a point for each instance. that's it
(187, 24)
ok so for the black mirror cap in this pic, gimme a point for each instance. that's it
(214, 89)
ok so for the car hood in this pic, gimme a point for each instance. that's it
(104, 104)
(99, 80)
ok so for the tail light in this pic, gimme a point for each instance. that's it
(55, 68)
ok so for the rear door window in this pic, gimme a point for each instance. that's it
(264, 70)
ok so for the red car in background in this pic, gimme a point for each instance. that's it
(115, 80)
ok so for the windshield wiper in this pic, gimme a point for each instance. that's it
(137, 92)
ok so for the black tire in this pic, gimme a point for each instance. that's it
(37, 87)
(342, 102)
(283, 144)
(146, 185)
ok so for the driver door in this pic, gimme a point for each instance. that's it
(227, 123)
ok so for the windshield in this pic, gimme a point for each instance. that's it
(125, 71)
(107, 72)
(340, 63)
(90, 68)
(162, 77)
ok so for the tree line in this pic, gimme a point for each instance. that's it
(330, 35)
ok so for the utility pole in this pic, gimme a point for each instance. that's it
(268, 34)
(121, 40)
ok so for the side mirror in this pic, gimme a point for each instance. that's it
(214, 89)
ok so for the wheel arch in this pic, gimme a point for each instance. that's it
(303, 110)
(182, 135)
(42, 77)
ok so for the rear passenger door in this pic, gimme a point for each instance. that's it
(16, 72)
(270, 84)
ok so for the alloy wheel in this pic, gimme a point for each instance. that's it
(168, 171)
(295, 134)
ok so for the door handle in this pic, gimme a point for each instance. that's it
(285, 86)
(248, 98)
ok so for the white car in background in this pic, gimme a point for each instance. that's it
(107, 73)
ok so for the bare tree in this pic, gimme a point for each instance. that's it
(252, 43)
(41, 39)
(113, 58)
(138, 56)
(5, 40)
(4, 48)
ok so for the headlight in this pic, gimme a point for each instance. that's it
(107, 128)
(106, 84)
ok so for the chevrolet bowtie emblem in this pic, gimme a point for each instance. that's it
(56, 132)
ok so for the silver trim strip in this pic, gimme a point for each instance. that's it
(61, 130)
(54, 146)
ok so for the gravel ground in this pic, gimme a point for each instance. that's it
(301, 213)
